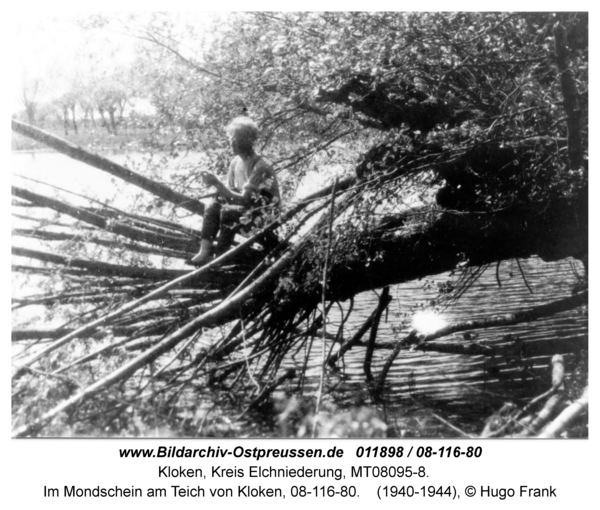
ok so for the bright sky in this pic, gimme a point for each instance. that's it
(46, 46)
(55, 47)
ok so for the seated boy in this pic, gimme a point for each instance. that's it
(251, 185)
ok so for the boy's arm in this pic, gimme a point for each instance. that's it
(242, 198)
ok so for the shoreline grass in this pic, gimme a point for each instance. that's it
(96, 139)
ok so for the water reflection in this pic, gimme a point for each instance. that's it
(428, 321)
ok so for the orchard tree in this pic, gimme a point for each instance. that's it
(67, 104)
(31, 90)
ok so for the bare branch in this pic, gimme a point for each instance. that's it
(101, 163)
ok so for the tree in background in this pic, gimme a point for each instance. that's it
(30, 98)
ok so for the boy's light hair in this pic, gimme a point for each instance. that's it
(247, 128)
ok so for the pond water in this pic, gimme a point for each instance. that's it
(54, 169)
(465, 388)
(462, 389)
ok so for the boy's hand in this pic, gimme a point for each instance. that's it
(210, 179)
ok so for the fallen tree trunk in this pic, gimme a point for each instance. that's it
(176, 242)
(444, 239)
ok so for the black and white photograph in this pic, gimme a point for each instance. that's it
(299, 225)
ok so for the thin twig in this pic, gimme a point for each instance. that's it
(323, 298)
(523, 275)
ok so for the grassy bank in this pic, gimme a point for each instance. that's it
(97, 139)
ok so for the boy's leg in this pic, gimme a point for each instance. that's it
(210, 227)
(230, 224)
(212, 220)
